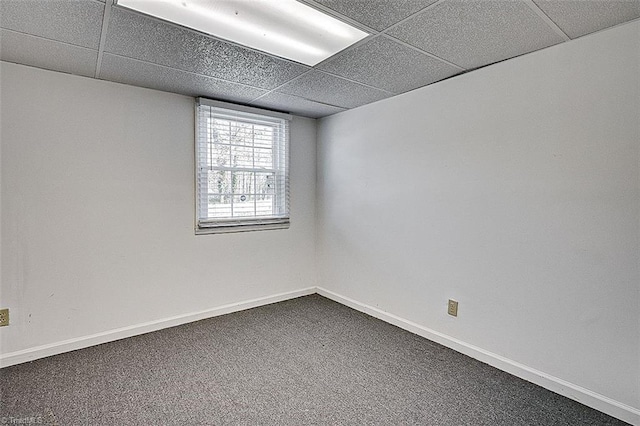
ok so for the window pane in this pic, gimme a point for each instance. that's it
(242, 156)
(264, 158)
(242, 134)
(219, 182)
(221, 131)
(263, 136)
(220, 208)
(243, 205)
(264, 206)
(265, 184)
(243, 183)
(219, 155)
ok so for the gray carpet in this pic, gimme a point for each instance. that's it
(303, 361)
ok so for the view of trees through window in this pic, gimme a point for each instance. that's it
(242, 173)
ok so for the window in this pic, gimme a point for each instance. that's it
(242, 168)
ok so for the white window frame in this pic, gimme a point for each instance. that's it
(206, 109)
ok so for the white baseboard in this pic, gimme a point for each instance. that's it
(56, 348)
(562, 387)
(584, 396)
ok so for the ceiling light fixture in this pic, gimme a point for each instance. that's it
(285, 28)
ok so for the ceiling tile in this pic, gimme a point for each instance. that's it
(43, 53)
(377, 14)
(144, 74)
(389, 65)
(140, 37)
(296, 105)
(77, 22)
(577, 18)
(476, 33)
(327, 89)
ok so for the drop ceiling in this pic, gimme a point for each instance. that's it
(412, 43)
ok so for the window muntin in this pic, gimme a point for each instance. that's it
(242, 178)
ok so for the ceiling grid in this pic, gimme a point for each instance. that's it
(103, 35)
(412, 43)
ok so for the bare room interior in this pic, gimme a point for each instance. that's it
(323, 212)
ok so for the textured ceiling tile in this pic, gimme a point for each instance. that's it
(77, 22)
(51, 55)
(476, 33)
(577, 18)
(139, 37)
(389, 65)
(327, 89)
(296, 105)
(144, 74)
(377, 14)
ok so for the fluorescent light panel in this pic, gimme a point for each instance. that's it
(285, 28)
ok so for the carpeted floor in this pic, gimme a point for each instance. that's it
(303, 361)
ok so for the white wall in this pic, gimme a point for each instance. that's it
(513, 189)
(98, 206)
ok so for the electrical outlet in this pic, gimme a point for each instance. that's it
(4, 317)
(452, 308)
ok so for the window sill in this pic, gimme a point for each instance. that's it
(227, 229)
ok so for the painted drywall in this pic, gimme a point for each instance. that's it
(514, 190)
(98, 211)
